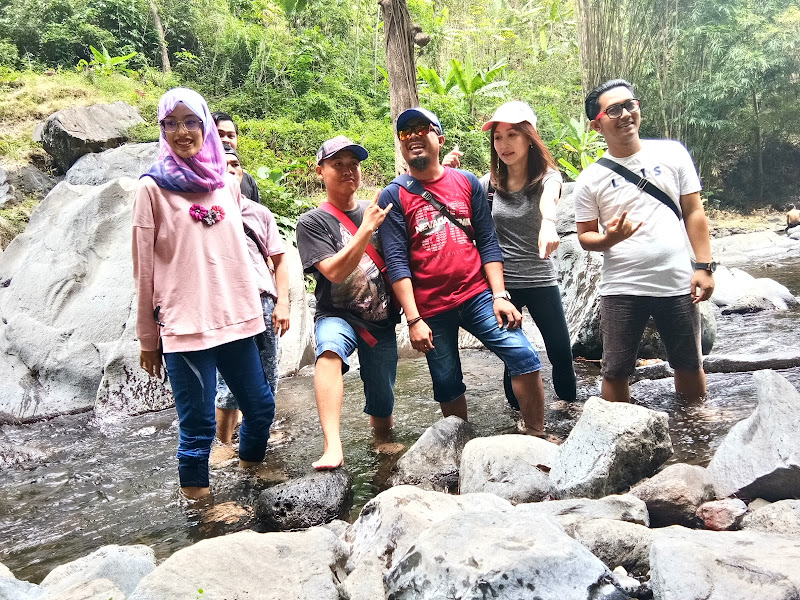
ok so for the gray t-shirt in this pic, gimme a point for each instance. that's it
(363, 298)
(517, 220)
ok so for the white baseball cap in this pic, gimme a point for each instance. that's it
(512, 112)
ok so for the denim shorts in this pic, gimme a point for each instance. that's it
(378, 362)
(476, 315)
(268, 353)
(622, 323)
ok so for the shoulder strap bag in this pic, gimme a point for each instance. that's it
(413, 185)
(642, 183)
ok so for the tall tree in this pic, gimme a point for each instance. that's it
(162, 40)
(400, 64)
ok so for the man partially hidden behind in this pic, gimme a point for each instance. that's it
(447, 272)
(228, 131)
(646, 265)
(354, 309)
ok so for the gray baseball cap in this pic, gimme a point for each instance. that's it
(337, 144)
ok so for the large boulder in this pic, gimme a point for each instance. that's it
(390, 524)
(487, 555)
(70, 133)
(674, 494)
(514, 467)
(760, 456)
(122, 566)
(612, 446)
(68, 315)
(616, 543)
(305, 502)
(14, 589)
(739, 292)
(570, 513)
(433, 461)
(303, 565)
(730, 565)
(130, 160)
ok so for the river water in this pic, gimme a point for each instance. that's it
(91, 484)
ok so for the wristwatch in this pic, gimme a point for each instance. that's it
(504, 294)
(703, 266)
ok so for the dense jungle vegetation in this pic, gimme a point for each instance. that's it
(723, 76)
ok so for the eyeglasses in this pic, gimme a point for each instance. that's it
(172, 125)
(406, 133)
(614, 111)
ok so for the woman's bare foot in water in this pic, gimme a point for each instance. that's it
(332, 457)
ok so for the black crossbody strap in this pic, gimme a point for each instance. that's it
(642, 183)
(415, 187)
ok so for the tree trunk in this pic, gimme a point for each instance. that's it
(400, 65)
(759, 152)
(162, 40)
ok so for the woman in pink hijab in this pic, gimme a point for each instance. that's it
(198, 302)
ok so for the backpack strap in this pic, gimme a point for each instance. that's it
(642, 183)
(413, 185)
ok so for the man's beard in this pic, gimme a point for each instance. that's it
(419, 163)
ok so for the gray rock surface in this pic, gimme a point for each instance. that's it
(737, 363)
(616, 543)
(130, 160)
(611, 447)
(5, 572)
(121, 566)
(391, 522)
(782, 517)
(722, 515)
(14, 454)
(433, 461)
(514, 467)
(269, 566)
(485, 555)
(70, 133)
(307, 501)
(569, 513)
(365, 582)
(673, 494)
(67, 332)
(6, 189)
(96, 589)
(740, 249)
(27, 180)
(729, 565)
(760, 456)
(13, 589)
(739, 292)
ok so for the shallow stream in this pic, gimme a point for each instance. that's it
(90, 484)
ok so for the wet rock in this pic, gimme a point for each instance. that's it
(760, 456)
(13, 589)
(737, 363)
(392, 521)
(267, 566)
(748, 303)
(121, 566)
(674, 494)
(569, 513)
(130, 160)
(365, 582)
(433, 461)
(782, 517)
(612, 446)
(305, 502)
(13, 455)
(70, 133)
(722, 515)
(487, 555)
(736, 291)
(514, 467)
(616, 543)
(730, 565)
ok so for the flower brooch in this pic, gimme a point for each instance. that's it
(208, 216)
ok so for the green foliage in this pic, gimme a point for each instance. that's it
(105, 64)
(576, 146)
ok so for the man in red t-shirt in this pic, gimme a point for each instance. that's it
(446, 269)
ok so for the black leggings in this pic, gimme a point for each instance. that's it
(544, 304)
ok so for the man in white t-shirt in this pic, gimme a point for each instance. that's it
(647, 270)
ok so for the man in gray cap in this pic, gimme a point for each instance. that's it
(338, 245)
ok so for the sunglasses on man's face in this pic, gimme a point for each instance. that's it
(171, 125)
(614, 111)
(406, 133)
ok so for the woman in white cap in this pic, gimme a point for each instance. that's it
(524, 186)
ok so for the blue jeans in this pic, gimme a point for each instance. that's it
(267, 343)
(476, 315)
(192, 376)
(378, 362)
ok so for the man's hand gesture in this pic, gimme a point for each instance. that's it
(374, 214)
(621, 229)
